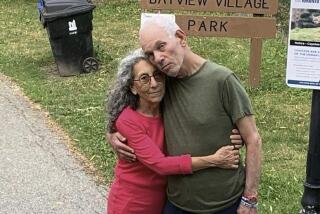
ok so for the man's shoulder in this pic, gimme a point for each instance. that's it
(217, 71)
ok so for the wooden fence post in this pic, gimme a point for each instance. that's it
(255, 60)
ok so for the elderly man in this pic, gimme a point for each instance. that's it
(203, 102)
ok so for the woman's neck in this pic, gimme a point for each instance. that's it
(149, 109)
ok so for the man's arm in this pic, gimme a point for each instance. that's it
(118, 143)
(251, 137)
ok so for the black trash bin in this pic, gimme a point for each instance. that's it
(69, 27)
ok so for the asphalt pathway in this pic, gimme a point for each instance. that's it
(38, 173)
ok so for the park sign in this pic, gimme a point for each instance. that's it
(236, 27)
(249, 22)
(303, 63)
(233, 6)
(240, 27)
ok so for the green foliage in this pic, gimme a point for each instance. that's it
(305, 34)
(77, 103)
(283, 16)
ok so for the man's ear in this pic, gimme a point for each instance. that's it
(182, 36)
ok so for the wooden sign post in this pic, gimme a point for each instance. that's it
(255, 27)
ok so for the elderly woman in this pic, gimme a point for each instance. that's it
(135, 111)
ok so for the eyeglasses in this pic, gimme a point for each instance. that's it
(145, 78)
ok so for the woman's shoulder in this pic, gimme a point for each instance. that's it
(128, 114)
(128, 120)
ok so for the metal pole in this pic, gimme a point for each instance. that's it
(311, 197)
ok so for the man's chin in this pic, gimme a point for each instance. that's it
(172, 74)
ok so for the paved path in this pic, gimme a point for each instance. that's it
(38, 174)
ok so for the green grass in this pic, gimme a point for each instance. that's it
(305, 34)
(77, 103)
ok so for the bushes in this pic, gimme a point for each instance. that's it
(283, 16)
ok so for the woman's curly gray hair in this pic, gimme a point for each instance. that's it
(120, 95)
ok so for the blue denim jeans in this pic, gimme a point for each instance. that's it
(172, 209)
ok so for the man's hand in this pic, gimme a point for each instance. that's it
(226, 157)
(117, 141)
(236, 139)
(246, 210)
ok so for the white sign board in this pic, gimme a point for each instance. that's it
(303, 63)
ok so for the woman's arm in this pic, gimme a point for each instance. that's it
(226, 157)
(149, 154)
(124, 152)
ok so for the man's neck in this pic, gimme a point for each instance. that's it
(191, 64)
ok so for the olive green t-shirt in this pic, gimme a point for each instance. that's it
(199, 114)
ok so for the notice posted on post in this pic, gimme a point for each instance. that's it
(303, 63)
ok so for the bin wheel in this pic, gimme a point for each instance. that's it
(90, 64)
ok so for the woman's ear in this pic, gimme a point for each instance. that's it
(133, 90)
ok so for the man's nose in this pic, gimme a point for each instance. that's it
(158, 57)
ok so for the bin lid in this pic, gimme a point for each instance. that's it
(54, 9)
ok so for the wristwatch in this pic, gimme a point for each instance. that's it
(250, 201)
(251, 198)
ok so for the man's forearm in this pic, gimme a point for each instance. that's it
(253, 165)
(253, 142)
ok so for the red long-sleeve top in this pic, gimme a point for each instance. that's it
(139, 187)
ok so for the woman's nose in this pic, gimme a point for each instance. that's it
(153, 82)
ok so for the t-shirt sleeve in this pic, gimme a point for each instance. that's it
(235, 99)
(149, 154)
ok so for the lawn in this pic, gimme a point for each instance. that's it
(77, 103)
(305, 34)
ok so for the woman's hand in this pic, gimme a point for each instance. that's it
(227, 157)
(236, 139)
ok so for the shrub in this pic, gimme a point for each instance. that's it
(283, 16)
